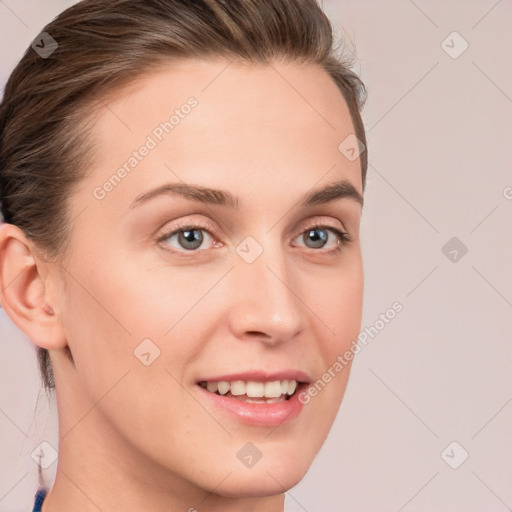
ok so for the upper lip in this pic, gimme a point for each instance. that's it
(260, 376)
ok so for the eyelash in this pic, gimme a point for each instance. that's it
(343, 237)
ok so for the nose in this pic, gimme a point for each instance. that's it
(266, 301)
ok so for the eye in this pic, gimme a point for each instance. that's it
(317, 237)
(188, 237)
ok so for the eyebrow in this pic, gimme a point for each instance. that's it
(327, 194)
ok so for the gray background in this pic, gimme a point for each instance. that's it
(439, 133)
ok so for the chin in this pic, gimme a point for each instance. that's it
(259, 484)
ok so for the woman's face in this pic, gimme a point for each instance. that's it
(248, 291)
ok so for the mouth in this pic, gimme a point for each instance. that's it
(256, 398)
(254, 392)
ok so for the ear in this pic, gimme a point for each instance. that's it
(25, 284)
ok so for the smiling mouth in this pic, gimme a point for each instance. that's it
(256, 392)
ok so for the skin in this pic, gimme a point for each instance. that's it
(136, 437)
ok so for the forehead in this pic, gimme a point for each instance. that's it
(258, 121)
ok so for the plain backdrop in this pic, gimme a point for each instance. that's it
(426, 419)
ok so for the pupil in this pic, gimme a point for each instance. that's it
(320, 240)
(191, 238)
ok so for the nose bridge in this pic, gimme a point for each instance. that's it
(266, 297)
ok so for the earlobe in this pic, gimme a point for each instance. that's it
(24, 293)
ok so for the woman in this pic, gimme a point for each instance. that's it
(181, 186)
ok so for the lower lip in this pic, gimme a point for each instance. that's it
(266, 415)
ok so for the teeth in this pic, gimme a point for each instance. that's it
(274, 400)
(238, 387)
(212, 386)
(255, 389)
(223, 387)
(252, 389)
(273, 389)
(252, 401)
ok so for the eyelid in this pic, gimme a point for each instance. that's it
(187, 224)
(212, 230)
(322, 222)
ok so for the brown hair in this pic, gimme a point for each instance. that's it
(103, 45)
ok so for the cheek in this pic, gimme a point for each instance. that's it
(111, 325)
(337, 302)
(118, 310)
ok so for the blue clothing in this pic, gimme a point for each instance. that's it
(39, 498)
